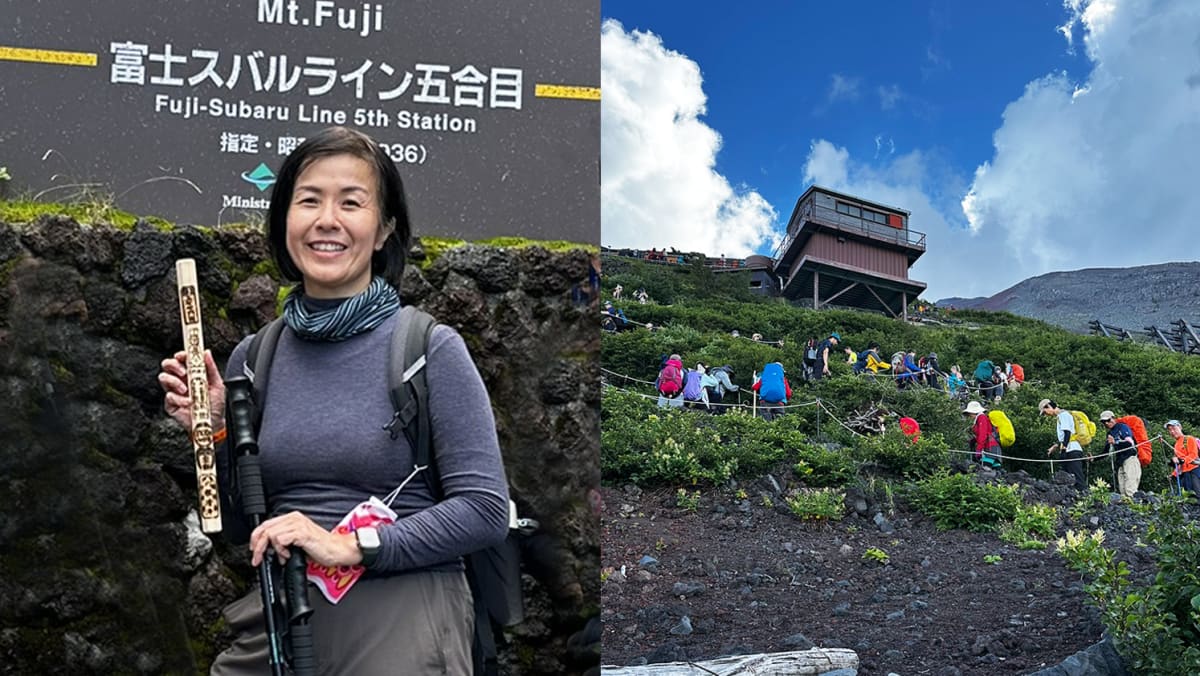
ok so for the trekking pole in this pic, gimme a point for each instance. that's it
(289, 635)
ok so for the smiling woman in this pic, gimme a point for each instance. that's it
(338, 225)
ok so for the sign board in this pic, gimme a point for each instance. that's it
(185, 109)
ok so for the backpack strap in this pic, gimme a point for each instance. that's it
(409, 390)
(257, 366)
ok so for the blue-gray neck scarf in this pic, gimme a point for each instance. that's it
(346, 319)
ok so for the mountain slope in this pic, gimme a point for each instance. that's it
(1131, 298)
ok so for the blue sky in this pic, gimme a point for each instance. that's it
(1010, 132)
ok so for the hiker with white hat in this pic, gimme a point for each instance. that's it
(1121, 443)
(985, 439)
(1186, 457)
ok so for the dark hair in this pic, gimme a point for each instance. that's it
(388, 262)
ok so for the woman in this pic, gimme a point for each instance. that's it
(338, 225)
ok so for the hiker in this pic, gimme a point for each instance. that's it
(985, 439)
(1016, 375)
(617, 292)
(931, 371)
(1121, 443)
(999, 383)
(773, 390)
(718, 382)
(821, 365)
(1186, 458)
(670, 383)
(908, 371)
(851, 356)
(956, 383)
(338, 226)
(1072, 452)
(864, 358)
(693, 392)
(983, 378)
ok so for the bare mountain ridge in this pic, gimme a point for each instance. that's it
(1131, 298)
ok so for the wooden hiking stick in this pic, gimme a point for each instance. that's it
(197, 381)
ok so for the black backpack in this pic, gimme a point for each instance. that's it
(494, 574)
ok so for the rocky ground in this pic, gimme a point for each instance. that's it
(739, 574)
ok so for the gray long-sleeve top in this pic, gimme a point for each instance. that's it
(323, 448)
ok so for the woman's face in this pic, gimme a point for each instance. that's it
(333, 226)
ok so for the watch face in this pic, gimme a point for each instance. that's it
(368, 538)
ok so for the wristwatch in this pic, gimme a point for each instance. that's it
(368, 544)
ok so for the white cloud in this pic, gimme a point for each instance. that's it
(659, 186)
(1091, 172)
(889, 95)
(1100, 172)
(842, 87)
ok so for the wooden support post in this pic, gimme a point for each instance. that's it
(816, 290)
(904, 300)
(834, 296)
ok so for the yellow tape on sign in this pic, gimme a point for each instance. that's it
(47, 56)
(550, 91)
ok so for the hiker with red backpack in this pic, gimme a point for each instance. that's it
(670, 383)
(773, 390)
(1187, 458)
(985, 438)
(1122, 443)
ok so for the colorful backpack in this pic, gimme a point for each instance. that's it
(983, 372)
(691, 386)
(1140, 437)
(1004, 428)
(1018, 373)
(1085, 430)
(670, 378)
(772, 389)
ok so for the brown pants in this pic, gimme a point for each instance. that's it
(420, 623)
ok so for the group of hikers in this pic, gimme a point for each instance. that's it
(705, 388)
(701, 387)
(1125, 439)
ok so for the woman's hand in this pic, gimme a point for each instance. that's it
(176, 400)
(296, 530)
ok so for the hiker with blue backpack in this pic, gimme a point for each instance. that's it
(694, 392)
(773, 391)
(385, 537)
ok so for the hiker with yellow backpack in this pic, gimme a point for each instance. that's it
(986, 436)
(1073, 431)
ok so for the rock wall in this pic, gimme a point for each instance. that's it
(103, 568)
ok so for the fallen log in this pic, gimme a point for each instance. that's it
(795, 663)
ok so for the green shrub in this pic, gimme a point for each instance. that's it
(897, 453)
(817, 504)
(642, 443)
(1031, 527)
(877, 555)
(956, 501)
(819, 466)
(1153, 620)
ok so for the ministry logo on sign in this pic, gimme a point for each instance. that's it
(262, 177)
